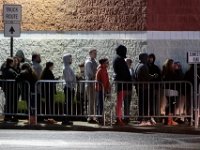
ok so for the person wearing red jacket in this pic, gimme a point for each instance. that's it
(103, 85)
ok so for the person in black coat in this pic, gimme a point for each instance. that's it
(48, 88)
(10, 89)
(143, 76)
(27, 79)
(121, 74)
(154, 87)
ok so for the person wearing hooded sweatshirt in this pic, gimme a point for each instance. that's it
(154, 69)
(121, 74)
(154, 88)
(20, 55)
(70, 82)
(142, 75)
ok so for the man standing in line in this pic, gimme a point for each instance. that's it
(121, 74)
(37, 69)
(90, 71)
(154, 88)
(142, 75)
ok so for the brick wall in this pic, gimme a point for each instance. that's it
(173, 15)
(79, 15)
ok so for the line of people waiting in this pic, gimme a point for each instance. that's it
(148, 101)
(22, 69)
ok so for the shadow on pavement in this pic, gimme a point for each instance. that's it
(84, 126)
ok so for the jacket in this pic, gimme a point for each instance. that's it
(90, 69)
(48, 87)
(142, 70)
(102, 77)
(121, 70)
(37, 68)
(9, 73)
(68, 73)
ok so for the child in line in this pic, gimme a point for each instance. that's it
(103, 85)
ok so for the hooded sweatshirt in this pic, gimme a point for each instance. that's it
(68, 73)
(20, 54)
(154, 69)
(141, 69)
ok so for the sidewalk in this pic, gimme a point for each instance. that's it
(84, 126)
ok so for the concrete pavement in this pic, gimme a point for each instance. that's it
(84, 126)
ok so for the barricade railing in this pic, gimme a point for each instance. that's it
(60, 100)
(14, 99)
(56, 98)
(153, 99)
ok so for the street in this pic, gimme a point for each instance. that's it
(43, 139)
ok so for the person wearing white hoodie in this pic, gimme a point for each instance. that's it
(70, 82)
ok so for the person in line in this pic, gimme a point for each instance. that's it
(121, 74)
(69, 88)
(37, 68)
(90, 71)
(169, 73)
(80, 95)
(48, 90)
(11, 91)
(127, 100)
(21, 57)
(16, 66)
(181, 102)
(28, 75)
(102, 87)
(154, 88)
(142, 75)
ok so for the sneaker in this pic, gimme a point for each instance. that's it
(179, 121)
(92, 121)
(66, 122)
(143, 123)
(50, 121)
(171, 122)
(153, 122)
(174, 123)
(148, 123)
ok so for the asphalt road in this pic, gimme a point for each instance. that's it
(62, 140)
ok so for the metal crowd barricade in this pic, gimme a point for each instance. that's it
(60, 100)
(154, 99)
(14, 99)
